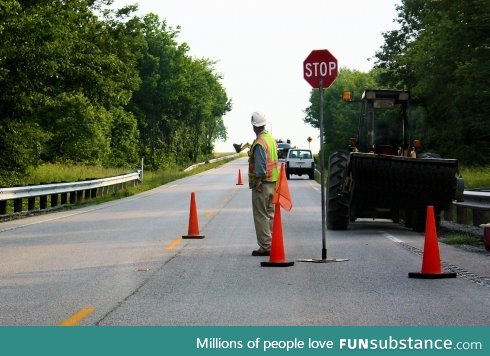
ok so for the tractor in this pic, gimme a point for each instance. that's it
(383, 174)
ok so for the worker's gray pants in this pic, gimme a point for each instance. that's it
(263, 213)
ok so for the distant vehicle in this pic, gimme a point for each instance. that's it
(283, 148)
(300, 161)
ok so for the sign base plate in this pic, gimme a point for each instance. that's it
(326, 260)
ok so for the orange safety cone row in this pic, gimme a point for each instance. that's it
(193, 230)
(239, 178)
(431, 260)
(277, 256)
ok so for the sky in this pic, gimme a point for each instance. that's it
(259, 47)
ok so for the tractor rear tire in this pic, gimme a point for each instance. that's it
(337, 203)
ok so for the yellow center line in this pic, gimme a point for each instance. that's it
(78, 317)
(173, 244)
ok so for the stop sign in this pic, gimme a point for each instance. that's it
(320, 68)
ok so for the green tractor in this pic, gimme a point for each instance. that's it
(383, 174)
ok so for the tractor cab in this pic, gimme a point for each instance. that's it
(384, 122)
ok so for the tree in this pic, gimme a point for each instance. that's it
(60, 55)
(441, 54)
(180, 104)
(84, 82)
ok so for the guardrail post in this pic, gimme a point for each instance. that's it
(3, 207)
(80, 195)
(448, 214)
(31, 203)
(17, 205)
(43, 202)
(54, 200)
(64, 198)
(461, 215)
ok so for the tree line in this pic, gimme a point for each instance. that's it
(83, 82)
(441, 53)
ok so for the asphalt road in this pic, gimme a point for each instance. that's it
(124, 263)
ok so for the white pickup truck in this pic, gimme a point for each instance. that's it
(300, 161)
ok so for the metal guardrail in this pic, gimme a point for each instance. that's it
(476, 200)
(70, 192)
(59, 194)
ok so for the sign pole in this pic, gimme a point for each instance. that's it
(320, 69)
(322, 175)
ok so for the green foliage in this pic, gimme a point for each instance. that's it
(124, 139)
(80, 130)
(84, 82)
(440, 53)
(180, 103)
(67, 172)
(21, 146)
(476, 177)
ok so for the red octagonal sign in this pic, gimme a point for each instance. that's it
(320, 68)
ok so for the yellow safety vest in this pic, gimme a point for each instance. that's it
(272, 164)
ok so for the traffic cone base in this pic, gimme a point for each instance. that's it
(277, 256)
(277, 264)
(193, 236)
(431, 260)
(441, 275)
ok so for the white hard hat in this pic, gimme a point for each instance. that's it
(258, 119)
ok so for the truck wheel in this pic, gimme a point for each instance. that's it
(288, 175)
(418, 220)
(407, 218)
(395, 216)
(311, 174)
(337, 204)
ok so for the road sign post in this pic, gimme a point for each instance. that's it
(320, 69)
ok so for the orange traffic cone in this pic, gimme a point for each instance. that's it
(277, 257)
(239, 178)
(431, 260)
(193, 230)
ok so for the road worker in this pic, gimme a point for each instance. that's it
(263, 173)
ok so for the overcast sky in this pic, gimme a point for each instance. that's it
(260, 46)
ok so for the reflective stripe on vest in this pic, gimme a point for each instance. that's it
(272, 162)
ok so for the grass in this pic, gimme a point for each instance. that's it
(53, 172)
(476, 177)
(454, 238)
